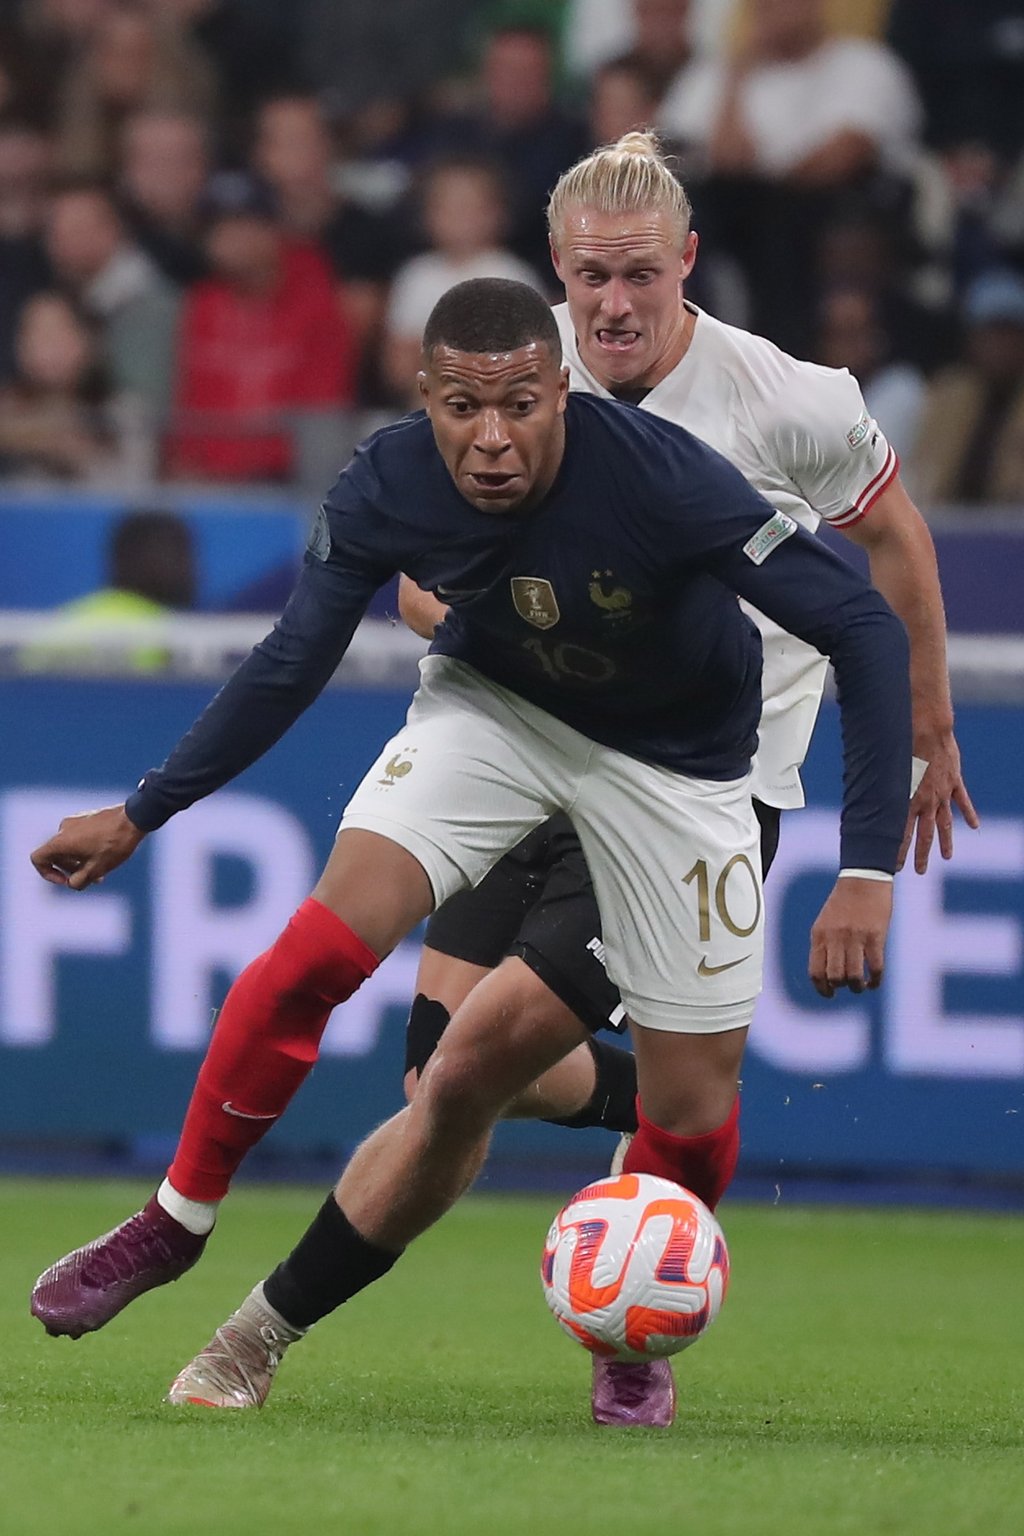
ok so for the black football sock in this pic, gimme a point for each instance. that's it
(330, 1263)
(428, 1021)
(613, 1101)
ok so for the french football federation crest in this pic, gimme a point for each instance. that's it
(397, 768)
(615, 604)
(535, 601)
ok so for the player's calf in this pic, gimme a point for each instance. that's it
(265, 1044)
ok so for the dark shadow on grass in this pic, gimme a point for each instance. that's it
(377, 1415)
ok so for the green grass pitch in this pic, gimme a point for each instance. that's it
(865, 1377)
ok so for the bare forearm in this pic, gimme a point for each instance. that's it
(907, 577)
(904, 569)
(731, 148)
(843, 156)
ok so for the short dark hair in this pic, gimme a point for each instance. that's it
(85, 186)
(491, 314)
(152, 553)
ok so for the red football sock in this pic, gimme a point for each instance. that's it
(704, 1164)
(265, 1044)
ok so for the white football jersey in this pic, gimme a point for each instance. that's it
(801, 435)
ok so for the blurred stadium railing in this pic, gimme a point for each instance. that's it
(983, 668)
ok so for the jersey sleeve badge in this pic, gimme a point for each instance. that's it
(319, 543)
(859, 431)
(769, 536)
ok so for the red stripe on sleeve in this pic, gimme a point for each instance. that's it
(871, 492)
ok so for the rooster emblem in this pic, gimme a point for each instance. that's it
(615, 604)
(396, 769)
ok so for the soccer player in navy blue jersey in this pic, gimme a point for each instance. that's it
(594, 660)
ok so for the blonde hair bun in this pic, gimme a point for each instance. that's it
(629, 176)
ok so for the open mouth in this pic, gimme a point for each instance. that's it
(618, 341)
(492, 480)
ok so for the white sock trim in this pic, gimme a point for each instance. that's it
(196, 1216)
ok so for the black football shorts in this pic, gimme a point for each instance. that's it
(538, 903)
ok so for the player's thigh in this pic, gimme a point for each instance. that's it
(509, 1031)
(687, 1082)
(378, 888)
(465, 780)
(676, 868)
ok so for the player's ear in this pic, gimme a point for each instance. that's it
(689, 255)
(556, 260)
(423, 385)
(563, 389)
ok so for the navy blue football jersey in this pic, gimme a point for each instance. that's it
(612, 604)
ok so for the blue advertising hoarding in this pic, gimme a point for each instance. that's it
(106, 997)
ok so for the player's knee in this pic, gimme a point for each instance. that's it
(456, 1088)
(317, 955)
(685, 1112)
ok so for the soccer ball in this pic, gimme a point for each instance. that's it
(635, 1267)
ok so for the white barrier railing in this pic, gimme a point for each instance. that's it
(383, 653)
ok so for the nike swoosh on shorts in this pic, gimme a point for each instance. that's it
(704, 969)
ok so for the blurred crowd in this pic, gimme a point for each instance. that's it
(224, 222)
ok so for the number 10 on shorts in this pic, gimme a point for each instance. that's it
(727, 896)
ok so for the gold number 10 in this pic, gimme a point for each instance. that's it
(699, 872)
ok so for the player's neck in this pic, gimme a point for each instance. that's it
(674, 352)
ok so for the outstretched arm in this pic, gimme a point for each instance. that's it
(903, 568)
(278, 680)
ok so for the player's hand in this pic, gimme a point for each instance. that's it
(931, 809)
(848, 937)
(87, 847)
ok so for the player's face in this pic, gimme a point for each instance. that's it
(498, 422)
(623, 276)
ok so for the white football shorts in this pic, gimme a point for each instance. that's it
(675, 860)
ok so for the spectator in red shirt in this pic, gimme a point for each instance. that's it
(263, 346)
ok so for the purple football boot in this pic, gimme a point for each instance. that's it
(85, 1289)
(628, 1394)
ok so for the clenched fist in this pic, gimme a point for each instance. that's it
(87, 847)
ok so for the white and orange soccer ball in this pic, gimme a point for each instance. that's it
(635, 1267)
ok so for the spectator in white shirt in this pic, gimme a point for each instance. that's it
(796, 104)
(794, 123)
(464, 218)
